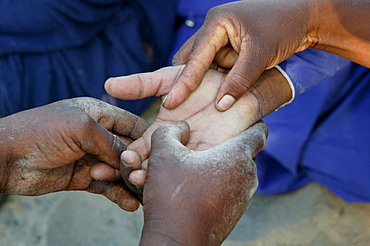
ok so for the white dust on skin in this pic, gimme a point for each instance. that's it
(90, 105)
(19, 129)
(229, 171)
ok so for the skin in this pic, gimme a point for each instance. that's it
(180, 210)
(266, 95)
(173, 217)
(251, 36)
(64, 146)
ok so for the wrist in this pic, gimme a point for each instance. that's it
(272, 90)
(179, 227)
(165, 231)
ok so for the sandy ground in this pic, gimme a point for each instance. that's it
(310, 216)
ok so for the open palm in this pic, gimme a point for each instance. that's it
(209, 127)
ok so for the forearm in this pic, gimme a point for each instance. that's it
(341, 27)
(170, 231)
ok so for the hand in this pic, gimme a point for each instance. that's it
(64, 145)
(253, 35)
(208, 126)
(246, 36)
(197, 197)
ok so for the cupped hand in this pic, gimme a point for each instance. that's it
(247, 37)
(197, 197)
(64, 145)
(208, 126)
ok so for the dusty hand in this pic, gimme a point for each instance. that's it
(197, 197)
(64, 145)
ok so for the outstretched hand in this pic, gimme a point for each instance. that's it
(64, 145)
(208, 126)
(197, 197)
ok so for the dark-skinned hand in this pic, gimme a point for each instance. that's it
(197, 197)
(64, 145)
(248, 37)
(209, 127)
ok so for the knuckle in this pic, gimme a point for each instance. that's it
(238, 84)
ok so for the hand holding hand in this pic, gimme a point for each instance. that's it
(208, 126)
(197, 197)
(251, 36)
(64, 145)
(247, 37)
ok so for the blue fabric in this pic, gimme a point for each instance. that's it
(308, 68)
(322, 136)
(52, 50)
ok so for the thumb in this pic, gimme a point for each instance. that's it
(245, 145)
(168, 139)
(104, 145)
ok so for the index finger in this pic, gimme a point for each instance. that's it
(209, 40)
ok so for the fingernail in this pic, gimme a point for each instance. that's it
(165, 100)
(124, 156)
(126, 163)
(226, 102)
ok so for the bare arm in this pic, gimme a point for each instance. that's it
(251, 36)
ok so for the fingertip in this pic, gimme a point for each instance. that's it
(131, 158)
(171, 102)
(180, 131)
(164, 102)
(102, 171)
(168, 137)
(225, 102)
(108, 84)
(128, 202)
(183, 125)
(138, 177)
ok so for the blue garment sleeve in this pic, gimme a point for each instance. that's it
(44, 25)
(309, 67)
